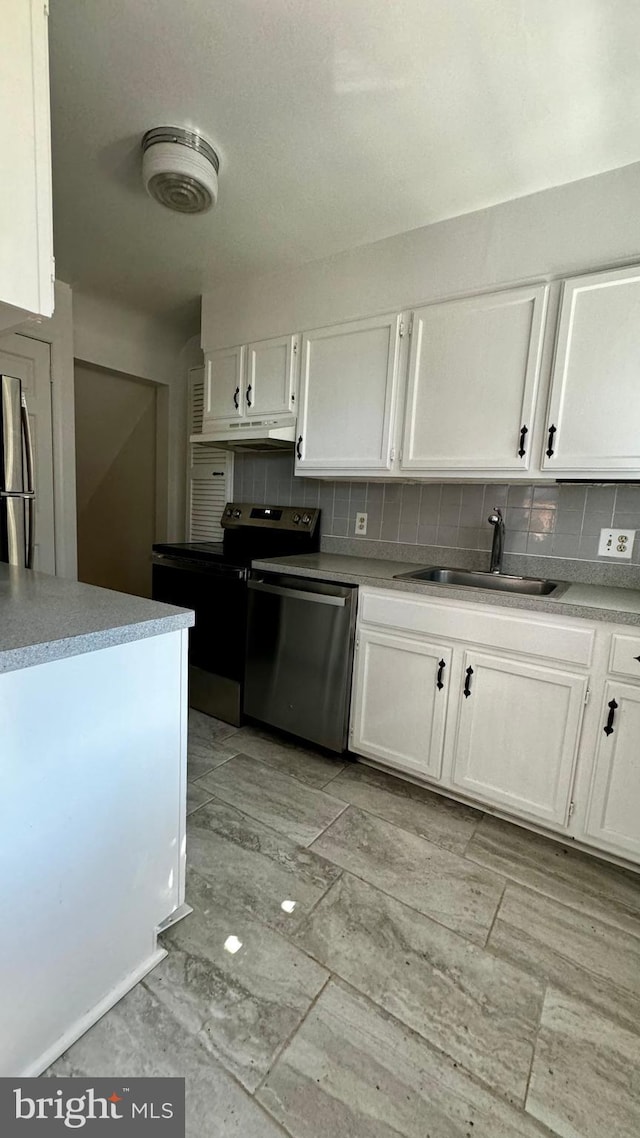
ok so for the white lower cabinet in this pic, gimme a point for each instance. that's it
(613, 819)
(401, 688)
(512, 727)
(517, 732)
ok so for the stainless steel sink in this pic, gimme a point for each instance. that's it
(499, 582)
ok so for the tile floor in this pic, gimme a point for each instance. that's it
(403, 966)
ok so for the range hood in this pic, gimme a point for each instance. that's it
(254, 436)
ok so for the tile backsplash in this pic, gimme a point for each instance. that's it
(546, 521)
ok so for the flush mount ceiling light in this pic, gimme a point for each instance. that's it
(180, 169)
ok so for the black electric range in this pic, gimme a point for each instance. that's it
(210, 577)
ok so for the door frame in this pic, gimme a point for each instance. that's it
(162, 440)
(57, 331)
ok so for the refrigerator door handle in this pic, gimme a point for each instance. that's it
(30, 503)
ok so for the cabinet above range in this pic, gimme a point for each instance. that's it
(249, 394)
(465, 389)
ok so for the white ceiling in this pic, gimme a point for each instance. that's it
(338, 122)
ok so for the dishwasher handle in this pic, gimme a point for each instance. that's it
(298, 594)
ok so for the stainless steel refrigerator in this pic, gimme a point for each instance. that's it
(17, 497)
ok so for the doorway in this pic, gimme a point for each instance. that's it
(116, 461)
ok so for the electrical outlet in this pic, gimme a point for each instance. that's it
(361, 524)
(616, 543)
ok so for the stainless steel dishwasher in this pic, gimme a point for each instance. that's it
(300, 638)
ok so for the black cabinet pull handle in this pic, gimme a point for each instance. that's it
(248, 396)
(637, 658)
(441, 667)
(608, 727)
(236, 402)
(467, 683)
(524, 431)
(552, 432)
(298, 445)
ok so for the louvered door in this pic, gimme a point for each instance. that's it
(209, 472)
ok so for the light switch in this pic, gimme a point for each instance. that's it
(616, 543)
(361, 524)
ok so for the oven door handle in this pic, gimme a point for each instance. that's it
(297, 594)
(193, 566)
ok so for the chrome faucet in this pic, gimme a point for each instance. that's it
(497, 549)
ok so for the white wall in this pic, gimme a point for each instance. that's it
(593, 222)
(134, 343)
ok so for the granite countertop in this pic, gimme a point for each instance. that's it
(593, 602)
(44, 618)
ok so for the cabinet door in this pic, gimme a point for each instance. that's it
(613, 819)
(594, 408)
(473, 378)
(400, 701)
(517, 735)
(270, 382)
(26, 228)
(348, 386)
(224, 385)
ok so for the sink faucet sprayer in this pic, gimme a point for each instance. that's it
(497, 549)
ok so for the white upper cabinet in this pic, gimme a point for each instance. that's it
(251, 382)
(271, 376)
(26, 228)
(473, 380)
(517, 735)
(594, 410)
(224, 386)
(348, 395)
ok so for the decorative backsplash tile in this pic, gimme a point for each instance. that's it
(548, 521)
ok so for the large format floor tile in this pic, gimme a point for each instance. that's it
(235, 984)
(434, 881)
(196, 797)
(206, 727)
(284, 803)
(594, 961)
(140, 1037)
(304, 763)
(352, 1072)
(251, 865)
(432, 816)
(586, 1074)
(481, 1011)
(204, 754)
(584, 883)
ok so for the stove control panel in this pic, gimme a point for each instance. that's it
(244, 515)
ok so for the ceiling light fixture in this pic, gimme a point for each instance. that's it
(180, 169)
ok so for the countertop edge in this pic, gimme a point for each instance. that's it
(544, 605)
(45, 652)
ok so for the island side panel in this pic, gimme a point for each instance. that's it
(92, 817)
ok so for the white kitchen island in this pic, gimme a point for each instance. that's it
(93, 720)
